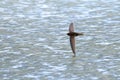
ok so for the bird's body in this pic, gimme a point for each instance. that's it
(72, 35)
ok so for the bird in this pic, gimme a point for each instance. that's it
(72, 36)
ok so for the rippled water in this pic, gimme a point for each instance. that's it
(34, 44)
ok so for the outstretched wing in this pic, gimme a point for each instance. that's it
(72, 43)
(71, 28)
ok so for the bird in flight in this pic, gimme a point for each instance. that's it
(72, 35)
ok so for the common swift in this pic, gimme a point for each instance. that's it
(72, 35)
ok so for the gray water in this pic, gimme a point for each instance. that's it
(34, 44)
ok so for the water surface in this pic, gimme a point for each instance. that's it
(34, 44)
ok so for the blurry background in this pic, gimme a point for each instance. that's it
(34, 44)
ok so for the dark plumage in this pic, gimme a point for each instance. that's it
(72, 35)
